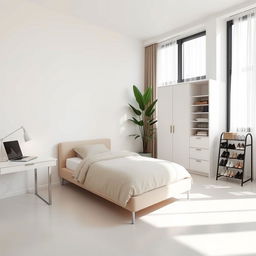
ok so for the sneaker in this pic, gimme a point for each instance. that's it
(231, 164)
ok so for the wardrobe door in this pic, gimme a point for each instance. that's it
(164, 117)
(181, 121)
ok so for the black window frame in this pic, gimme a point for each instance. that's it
(229, 68)
(180, 57)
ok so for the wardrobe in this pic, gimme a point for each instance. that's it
(191, 116)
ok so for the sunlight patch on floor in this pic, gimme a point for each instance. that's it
(204, 212)
(221, 244)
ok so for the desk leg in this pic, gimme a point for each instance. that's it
(49, 202)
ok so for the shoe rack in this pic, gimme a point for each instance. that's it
(233, 162)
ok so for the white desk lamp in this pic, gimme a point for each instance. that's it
(25, 135)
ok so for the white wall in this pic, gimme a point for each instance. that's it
(63, 80)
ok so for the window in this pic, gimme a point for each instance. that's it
(241, 72)
(167, 57)
(192, 56)
(182, 60)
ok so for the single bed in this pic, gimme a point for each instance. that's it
(68, 162)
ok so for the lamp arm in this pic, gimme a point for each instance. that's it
(11, 133)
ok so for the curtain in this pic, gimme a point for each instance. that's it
(194, 59)
(167, 63)
(150, 81)
(243, 78)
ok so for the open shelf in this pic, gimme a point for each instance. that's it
(200, 121)
(204, 129)
(200, 96)
(200, 105)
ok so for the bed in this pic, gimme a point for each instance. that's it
(68, 162)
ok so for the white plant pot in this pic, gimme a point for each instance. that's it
(145, 154)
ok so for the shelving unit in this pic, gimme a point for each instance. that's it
(248, 143)
(200, 109)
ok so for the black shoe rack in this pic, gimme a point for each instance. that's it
(226, 149)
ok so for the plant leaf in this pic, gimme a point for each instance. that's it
(150, 109)
(134, 120)
(139, 97)
(136, 111)
(147, 95)
(153, 122)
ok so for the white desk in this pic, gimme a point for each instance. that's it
(14, 167)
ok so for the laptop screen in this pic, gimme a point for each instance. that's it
(12, 149)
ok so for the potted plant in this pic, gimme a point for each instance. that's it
(143, 117)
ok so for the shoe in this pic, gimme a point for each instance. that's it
(241, 165)
(225, 154)
(238, 146)
(232, 174)
(242, 146)
(240, 157)
(226, 173)
(235, 155)
(237, 165)
(221, 162)
(231, 164)
(231, 146)
(224, 145)
(238, 175)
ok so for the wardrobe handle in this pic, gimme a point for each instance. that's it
(170, 128)
(173, 128)
(198, 149)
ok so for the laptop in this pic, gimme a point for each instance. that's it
(14, 153)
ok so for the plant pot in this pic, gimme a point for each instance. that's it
(145, 154)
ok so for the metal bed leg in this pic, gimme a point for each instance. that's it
(188, 194)
(133, 217)
(49, 202)
(62, 181)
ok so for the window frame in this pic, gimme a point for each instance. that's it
(180, 55)
(229, 68)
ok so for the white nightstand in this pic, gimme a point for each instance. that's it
(14, 167)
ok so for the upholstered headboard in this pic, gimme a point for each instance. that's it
(65, 149)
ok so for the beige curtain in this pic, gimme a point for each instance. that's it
(150, 81)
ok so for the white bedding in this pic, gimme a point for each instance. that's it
(73, 162)
(121, 175)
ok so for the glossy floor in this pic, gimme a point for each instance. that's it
(219, 219)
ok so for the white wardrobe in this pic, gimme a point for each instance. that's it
(188, 131)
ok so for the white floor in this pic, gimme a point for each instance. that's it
(219, 219)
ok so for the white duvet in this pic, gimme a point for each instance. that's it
(122, 175)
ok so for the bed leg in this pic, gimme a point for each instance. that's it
(188, 194)
(62, 181)
(133, 217)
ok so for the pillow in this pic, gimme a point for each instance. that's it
(87, 150)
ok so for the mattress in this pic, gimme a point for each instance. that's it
(73, 162)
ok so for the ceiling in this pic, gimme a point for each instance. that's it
(140, 18)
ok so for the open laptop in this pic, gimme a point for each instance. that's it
(14, 153)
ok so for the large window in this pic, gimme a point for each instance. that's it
(241, 72)
(167, 63)
(182, 60)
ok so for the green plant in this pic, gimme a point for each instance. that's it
(144, 116)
